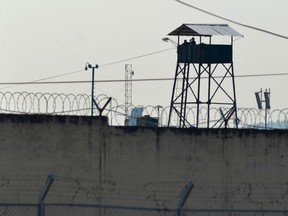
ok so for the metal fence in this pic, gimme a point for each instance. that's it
(95, 210)
(80, 105)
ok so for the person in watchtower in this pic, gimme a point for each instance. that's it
(192, 41)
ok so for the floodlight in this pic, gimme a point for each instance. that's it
(258, 99)
(165, 39)
(267, 99)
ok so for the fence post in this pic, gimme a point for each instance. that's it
(183, 197)
(43, 194)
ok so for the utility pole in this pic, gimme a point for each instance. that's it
(89, 66)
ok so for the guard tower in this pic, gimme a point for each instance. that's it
(204, 78)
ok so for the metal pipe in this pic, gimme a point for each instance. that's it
(43, 194)
(92, 94)
(184, 196)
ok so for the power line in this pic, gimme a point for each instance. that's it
(136, 57)
(38, 81)
(232, 21)
(65, 74)
(134, 80)
(12, 84)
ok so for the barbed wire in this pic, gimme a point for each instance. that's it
(80, 105)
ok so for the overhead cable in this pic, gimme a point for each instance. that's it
(232, 21)
(65, 74)
(12, 84)
(134, 80)
(136, 57)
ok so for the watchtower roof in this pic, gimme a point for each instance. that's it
(207, 30)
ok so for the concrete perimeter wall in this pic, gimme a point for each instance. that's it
(144, 167)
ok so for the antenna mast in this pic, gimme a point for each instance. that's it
(128, 91)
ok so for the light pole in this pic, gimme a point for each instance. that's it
(166, 39)
(89, 66)
(259, 100)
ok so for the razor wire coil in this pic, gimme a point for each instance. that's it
(80, 105)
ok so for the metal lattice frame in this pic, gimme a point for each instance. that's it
(191, 93)
(128, 88)
(213, 84)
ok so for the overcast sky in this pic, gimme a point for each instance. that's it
(43, 38)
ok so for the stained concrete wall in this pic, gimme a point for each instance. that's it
(136, 166)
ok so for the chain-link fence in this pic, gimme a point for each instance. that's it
(97, 210)
(18, 209)
(235, 212)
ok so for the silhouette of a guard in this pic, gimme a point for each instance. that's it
(192, 41)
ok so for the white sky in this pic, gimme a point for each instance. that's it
(43, 38)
